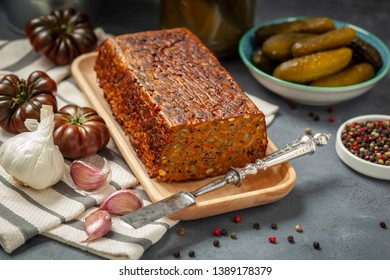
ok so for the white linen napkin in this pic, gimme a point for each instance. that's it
(269, 110)
(59, 212)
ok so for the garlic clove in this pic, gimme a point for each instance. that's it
(122, 202)
(89, 177)
(97, 224)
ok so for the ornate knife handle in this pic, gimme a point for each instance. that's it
(299, 147)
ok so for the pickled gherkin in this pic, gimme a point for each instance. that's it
(314, 66)
(278, 47)
(314, 51)
(315, 25)
(329, 40)
(352, 75)
(365, 52)
(261, 61)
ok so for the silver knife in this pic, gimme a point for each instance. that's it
(152, 212)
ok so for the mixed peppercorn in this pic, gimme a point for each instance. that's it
(218, 232)
(368, 140)
(273, 238)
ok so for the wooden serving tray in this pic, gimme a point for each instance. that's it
(262, 188)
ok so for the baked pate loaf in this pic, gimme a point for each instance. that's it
(184, 114)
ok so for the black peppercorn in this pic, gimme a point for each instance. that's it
(176, 254)
(256, 225)
(330, 109)
(191, 254)
(224, 232)
(290, 238)
(383, 225)
(316, 245)
(293, 105)
(216, 243)
(274, 226)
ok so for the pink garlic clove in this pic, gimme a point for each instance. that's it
(88, 177)
(97, 224)
(122, 202)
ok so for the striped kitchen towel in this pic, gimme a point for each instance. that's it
(59, 212)
(118, 244)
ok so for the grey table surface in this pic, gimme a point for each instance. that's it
(336, 206)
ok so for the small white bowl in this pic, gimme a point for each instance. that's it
(312, 95)
(365, 167)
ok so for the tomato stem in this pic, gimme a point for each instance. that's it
(23, 94)
(65, 28)
(78, 118)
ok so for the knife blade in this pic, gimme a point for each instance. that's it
(152, 212)
(162, 208)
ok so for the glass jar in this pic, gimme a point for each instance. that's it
(219, 24)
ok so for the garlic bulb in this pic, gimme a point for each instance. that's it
(32, 158)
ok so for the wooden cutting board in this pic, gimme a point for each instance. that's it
(262, 188)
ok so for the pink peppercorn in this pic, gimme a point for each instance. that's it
(272, 239)
(217, 232)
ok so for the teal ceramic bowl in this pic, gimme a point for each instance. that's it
(311, 95)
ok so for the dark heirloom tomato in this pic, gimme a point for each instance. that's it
(79, 131)
(62, 35)
(21, 99)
